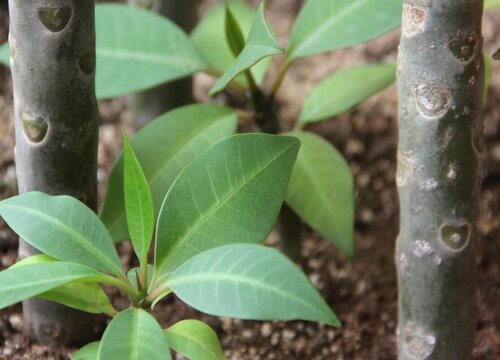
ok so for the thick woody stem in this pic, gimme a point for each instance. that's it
(53, 69)
(440, 83)
(149, 104)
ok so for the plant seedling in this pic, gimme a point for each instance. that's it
(206, 251)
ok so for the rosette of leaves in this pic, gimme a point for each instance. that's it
(207, 251)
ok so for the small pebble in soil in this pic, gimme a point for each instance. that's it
(16, 322)
(266, 330)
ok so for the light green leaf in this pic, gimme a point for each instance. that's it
(491, 4)
(5, 54)
(138, 203)
(164, 147)
(22, 282)
(88, 352)
(210, 37)
(324, 25)
(134, 335)
(84, 296)
(63, 228)
(231, 193)
(259, 45)
(249, 282)
(321, 191)
(137, 49)
(194, 340)
(345, 89)
(234, 35)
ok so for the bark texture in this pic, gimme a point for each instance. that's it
(440, 84)
(56, 121)
(149, 104)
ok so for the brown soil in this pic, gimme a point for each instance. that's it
(362, 291)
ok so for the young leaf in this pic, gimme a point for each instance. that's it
(138, 49)
(22, 282)
(138, 203)
(234, 35)
(164, 147)
(321, 191)
(259, 45)
(194, 340)
(133, 335)
(5, 54)
(345, 89)
(135, 273)
(210, 37)
(249, 282)
(231, 193)
(88, 352)
(325, 25)
(63, 228)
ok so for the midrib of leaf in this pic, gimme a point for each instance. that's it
(232, 278)
(204, 217)
(187, 140)
(194, 340)
(316, 186)
(46, 281)
(322, 28)
(135, 331)
(151, 58)
(72, 234)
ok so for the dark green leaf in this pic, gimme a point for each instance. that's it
(5, 54)
(231, 193)
(138, 203)
(164, 148)
(345, 89)
(134, 335)
(325, 25)
(321, 191)
(63, 228)
(259, 45)
(249, 282)
(194, 340)
(234, 35)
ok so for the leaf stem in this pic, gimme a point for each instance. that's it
(121, 284)
(144, 272)
(279, 79)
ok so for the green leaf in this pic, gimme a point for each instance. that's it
(137, 49)
(210, 37)
(491, 4)
(133, 335)
(231, 193)
(5, 54)
(321, 191)
(259, 45)
(88, 352)
(22, 282)
(345, 89)
(324, 25)
(63, 228)
(496, 55)
(194, 340)
(164, 147)
(88, 297)
(138, 203)
(249, 282)
(234, 35)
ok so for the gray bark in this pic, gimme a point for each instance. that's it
(149, 104)
(56, 121)
(440, 83)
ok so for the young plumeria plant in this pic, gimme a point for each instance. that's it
(206, 251)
